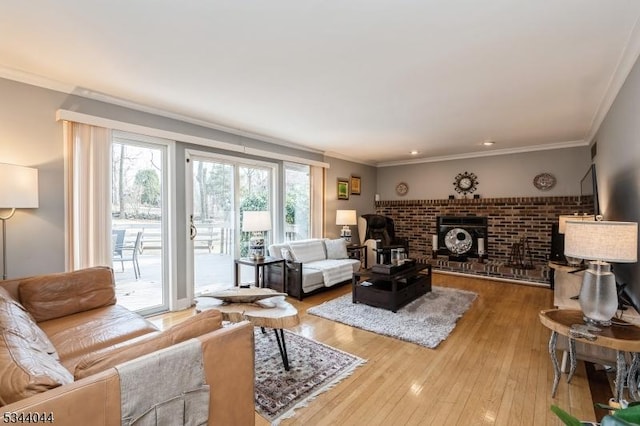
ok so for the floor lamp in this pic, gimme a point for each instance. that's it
(19, 190)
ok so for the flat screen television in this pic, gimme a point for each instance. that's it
(589, 187)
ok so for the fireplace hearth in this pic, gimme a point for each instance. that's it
(458, 236)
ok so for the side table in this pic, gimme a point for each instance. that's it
(621, 336)
(258, 266)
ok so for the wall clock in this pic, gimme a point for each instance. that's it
(465, 183)
(402, 189)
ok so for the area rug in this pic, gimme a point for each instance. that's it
(314, 368)
(426, 321)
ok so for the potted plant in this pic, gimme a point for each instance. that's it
(628, 416)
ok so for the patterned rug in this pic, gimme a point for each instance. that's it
(314, 368)
(426, 321)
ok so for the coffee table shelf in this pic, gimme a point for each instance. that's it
(391, 291)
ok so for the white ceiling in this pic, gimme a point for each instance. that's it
(368, 80)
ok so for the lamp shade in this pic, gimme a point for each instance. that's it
(256, 221)
(562, 220)
(19, 187)
(346, 217)
(605, 241)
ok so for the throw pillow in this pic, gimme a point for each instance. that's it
(336, 249)
(307, 251)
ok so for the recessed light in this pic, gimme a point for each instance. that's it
(488, 143)
(414, 152)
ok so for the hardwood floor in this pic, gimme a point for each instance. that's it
(493, 369)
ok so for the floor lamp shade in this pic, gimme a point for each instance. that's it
(18, 190)
(601, 242)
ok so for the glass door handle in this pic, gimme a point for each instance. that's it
(193, 231)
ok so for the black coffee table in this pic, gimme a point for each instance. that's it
(394, 290)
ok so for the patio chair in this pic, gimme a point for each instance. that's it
(132, 257)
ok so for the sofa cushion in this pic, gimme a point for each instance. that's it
(197, 325)
(28, 361)
(307, 250)
(58, 295)
(336, 249)
(15, 318)
(89, 331)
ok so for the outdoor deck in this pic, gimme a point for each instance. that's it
(214, 271)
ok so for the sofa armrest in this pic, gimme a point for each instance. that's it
(228, 356)
(229, 366)
(94, 400)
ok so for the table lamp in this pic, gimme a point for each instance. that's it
(346, 218)
(19, 190)
(256, 222)
(562, 225)
(600, 242)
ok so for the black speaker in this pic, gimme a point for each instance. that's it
(557, 245)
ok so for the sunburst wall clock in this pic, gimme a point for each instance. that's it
(465, 183)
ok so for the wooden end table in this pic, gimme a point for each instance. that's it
(258, 266)
(620, 336)
(284, 315)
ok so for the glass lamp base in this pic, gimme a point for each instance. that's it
(598, 295)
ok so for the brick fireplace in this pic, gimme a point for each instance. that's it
(508, 220)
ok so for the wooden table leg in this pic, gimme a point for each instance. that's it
(553, 340)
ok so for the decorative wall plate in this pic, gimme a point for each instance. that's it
(465, 182)
(544, 181)
(402, 188)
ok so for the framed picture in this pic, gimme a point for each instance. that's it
(343, 189)
(355, 185)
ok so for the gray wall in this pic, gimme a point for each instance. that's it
(362, 204)
(30, 136)
(618, 168)
(498, 176)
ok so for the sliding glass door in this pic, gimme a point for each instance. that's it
(220, 189)
(139, 211)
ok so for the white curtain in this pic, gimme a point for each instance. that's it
(88, 191)
(317, 201)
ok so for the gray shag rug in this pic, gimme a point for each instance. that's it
(313, 369)
(426, 321)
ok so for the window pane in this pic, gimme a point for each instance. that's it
(297, 185)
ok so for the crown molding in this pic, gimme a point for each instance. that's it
(340, 156)
(491, 153)
(627, 60)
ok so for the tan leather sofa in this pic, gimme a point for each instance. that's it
(61, 336)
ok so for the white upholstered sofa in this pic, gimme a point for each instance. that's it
(312, 265)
